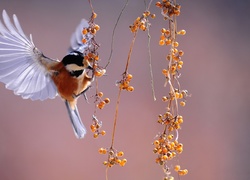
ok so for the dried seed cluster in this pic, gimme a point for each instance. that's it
(169, 8)
(114, 157)
(96, 127)
(100, 101)
(166, 145)
(142, 22)
(124, 83)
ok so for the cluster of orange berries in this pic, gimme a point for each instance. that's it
(177, 94)
(92, 57)
(96, 126)
(114, 157)
(172, 122)
(175, 55)
(124, 83)
(167, 147)
(101, 103)
(168, 8)
(141, 22)
(91, 30)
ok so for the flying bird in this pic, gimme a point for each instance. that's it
(26, 71)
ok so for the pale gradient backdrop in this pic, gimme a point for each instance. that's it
(37, 140)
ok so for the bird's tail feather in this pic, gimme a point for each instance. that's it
(76, 121)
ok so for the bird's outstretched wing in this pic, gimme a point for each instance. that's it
(76, 43)
(23, 68)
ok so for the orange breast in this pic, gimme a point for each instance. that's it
(67, 85)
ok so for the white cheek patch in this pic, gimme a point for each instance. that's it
(74, 67)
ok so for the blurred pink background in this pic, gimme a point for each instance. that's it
(37, 140)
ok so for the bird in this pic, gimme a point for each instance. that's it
(26, 71)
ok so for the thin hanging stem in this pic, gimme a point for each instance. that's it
(113, 34)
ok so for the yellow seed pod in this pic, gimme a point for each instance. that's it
(168, 42)
(181, 172)
(100, 106)
(123, 162)
(162, 37)
(84, 41)
(156, 143)
(96, 58)
(106, 100)
(181, 53)
(177, 168)
(163, 30)
(93, 31)
(129, 76)
(152, 16)
(105, 163)
(100, 73)
(170, 136)
(167, 32)
(143, 27)
(182, 103)
(165, 72)
(176, 44)
(180, 120)
(182, 32)
(94, 15)
(95, 135)
(164, 98)
(179, 66)
(97, 27)
(181, 63)
(84, 31)
(177, 95)
(103, 132)
(164, 157)
(100, 150)
(164, 150)
(118, 161)
(161, 42)
(93, 129)
(92, 126)
(100, 94)
(120, 153)
(130, 88)
(158, 4)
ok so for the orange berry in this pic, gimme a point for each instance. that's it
(120, 154)
(84, 31)
(168, 42)
(129, 76)
(182, 103)
(177, 167)
(103, 132)
(130, 88)
(153, 16)
(176, 44)
(181, 53)
(100, 94)
(97, 27)
(161, 42)
(158, 4)
(163, 30)
(182, 32)
(106, 100)
(95, 135)
(94, 15)
(84, 41)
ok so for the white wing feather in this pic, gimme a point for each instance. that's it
(77, 36)
(20, 66)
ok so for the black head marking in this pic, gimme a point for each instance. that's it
(75, 57)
